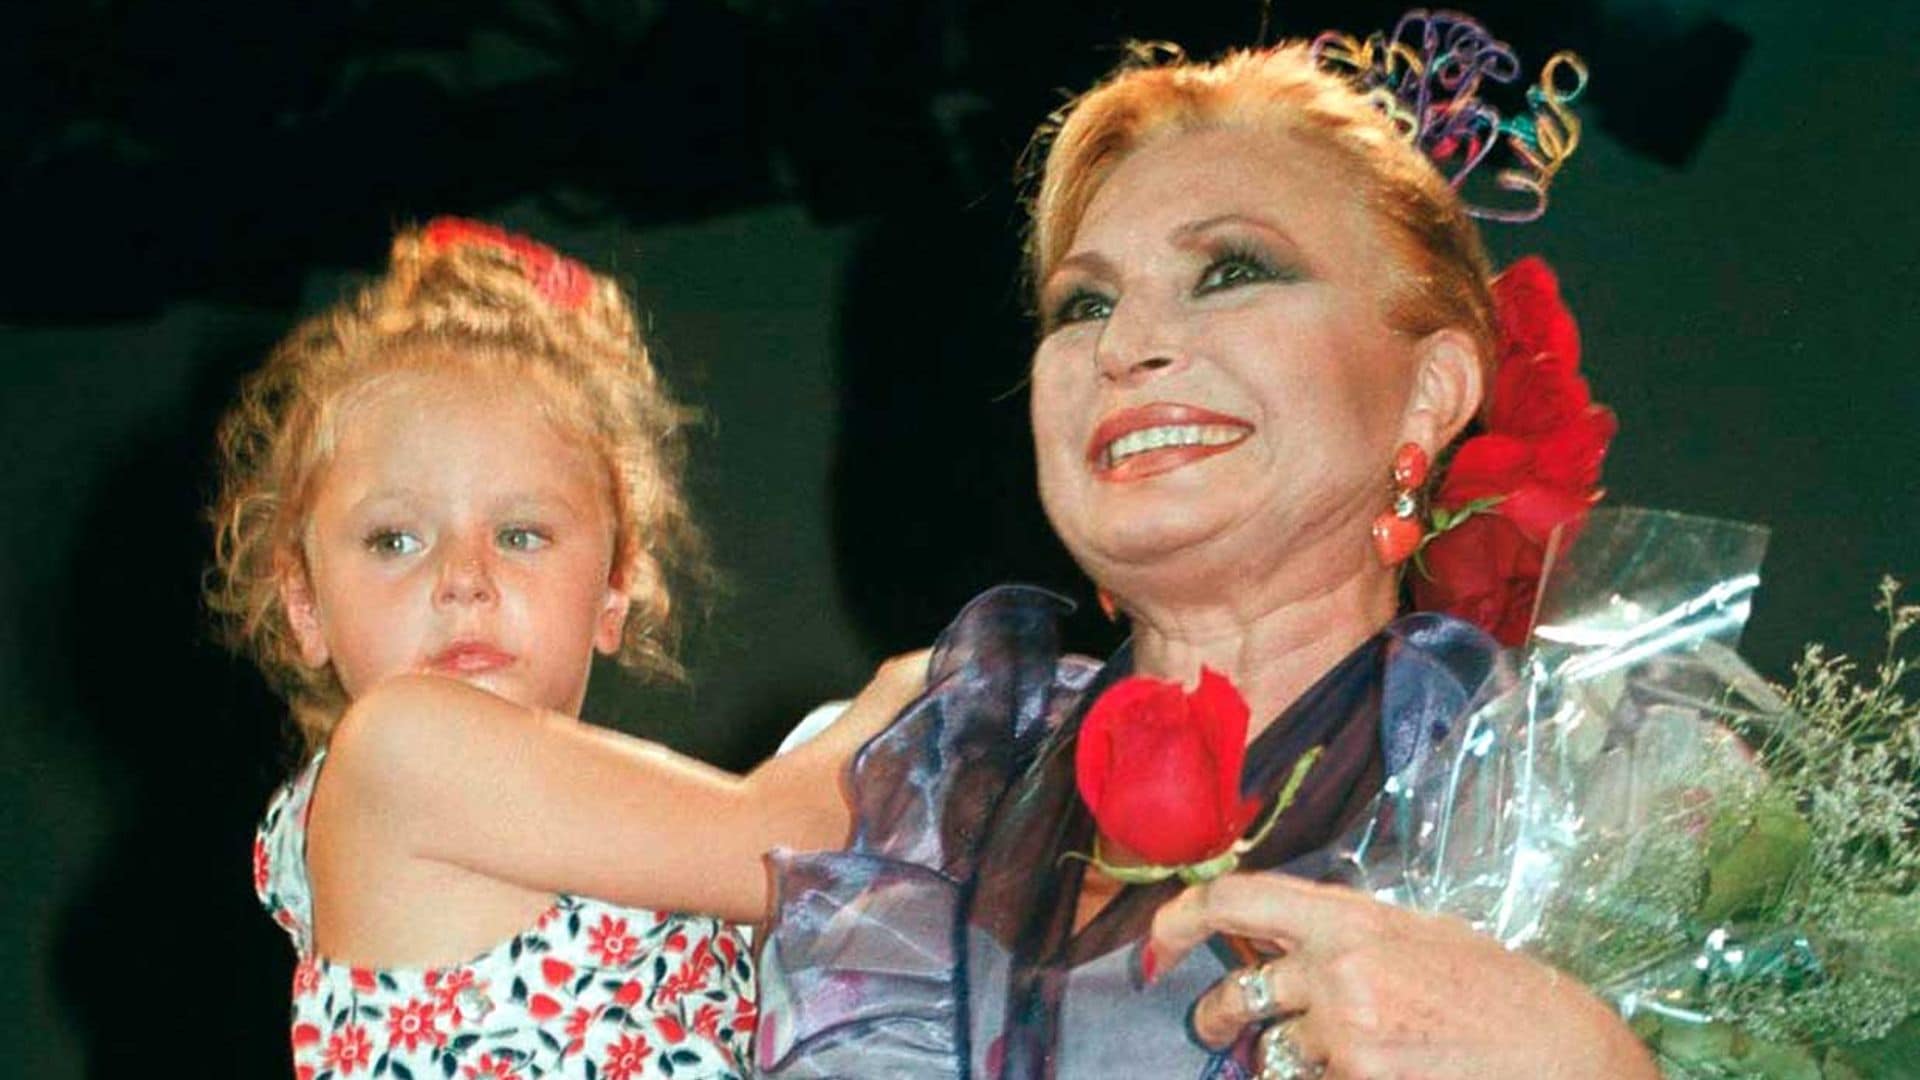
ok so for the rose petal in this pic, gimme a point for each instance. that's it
(1484, 466)
(1532, 316)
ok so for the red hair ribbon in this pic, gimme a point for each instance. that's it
(565, 283)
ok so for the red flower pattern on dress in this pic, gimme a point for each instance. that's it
(259, 865)
(626, 1058)
(489, 1068)
(706, 1021)
(1535, 469)
(446, 987)
(306, 977)
(611, 942)
(690, 976)
(349, 1050)
(411, 1024)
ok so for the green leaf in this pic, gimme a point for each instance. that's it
(1756, 868)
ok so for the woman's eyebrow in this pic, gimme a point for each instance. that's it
(1193, 230)
(1091, 263)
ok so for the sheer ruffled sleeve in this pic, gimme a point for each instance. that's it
(862, 969)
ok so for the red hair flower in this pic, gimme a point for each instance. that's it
(1536, 468)
(565, 283)
(1159, 768)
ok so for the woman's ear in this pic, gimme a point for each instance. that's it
(1447, 387)
(303, 613)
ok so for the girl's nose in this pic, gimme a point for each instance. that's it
(466, 578)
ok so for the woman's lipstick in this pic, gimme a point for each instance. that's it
(469, 658)
(1146, 440)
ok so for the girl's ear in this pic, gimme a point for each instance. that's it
(303, 614)
(1446, 389)
(610, 630)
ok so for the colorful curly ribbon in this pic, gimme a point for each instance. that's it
(1426, 77)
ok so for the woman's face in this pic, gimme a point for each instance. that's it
(1217, 388)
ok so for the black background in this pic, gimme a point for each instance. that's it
(812, 200)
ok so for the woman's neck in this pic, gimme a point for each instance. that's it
(1274, 642)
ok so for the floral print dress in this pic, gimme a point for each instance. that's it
(590, 990)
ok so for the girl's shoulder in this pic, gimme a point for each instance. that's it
(589, 987)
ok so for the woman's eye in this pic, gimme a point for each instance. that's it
(1082, 305)
(522, 538)
(392, 542)
(1232, 270)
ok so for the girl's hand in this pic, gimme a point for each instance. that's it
(1371, 990)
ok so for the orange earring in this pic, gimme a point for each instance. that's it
(1107, 607)
(1396, 533)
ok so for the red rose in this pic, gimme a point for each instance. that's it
(1160, 768)
(1536, 395)
(1486, 571)
(1536, 510)
(1570, 457)
(1485, 466)
(1533, 318)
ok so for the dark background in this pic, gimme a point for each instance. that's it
(812, 200)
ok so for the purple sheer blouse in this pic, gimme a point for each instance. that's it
(941, 941)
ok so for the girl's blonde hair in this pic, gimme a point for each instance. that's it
(1443, 273)
(500, 305)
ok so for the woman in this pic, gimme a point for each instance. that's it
(1254, 295)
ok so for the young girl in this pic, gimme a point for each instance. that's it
(439, 498)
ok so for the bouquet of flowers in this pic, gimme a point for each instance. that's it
(1734, 866)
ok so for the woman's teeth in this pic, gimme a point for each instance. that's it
(1159, 438)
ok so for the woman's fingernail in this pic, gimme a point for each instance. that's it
(1149, 964)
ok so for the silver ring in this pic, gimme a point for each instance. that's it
(1282, 1059)
(1256, 994)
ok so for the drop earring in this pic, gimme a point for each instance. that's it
(1397, 532)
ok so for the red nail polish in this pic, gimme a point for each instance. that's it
(1149, 964)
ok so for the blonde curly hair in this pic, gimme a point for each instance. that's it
(463, 293)
(1157, 92)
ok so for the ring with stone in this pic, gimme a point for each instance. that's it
(1256, 993)
(1282, 1059)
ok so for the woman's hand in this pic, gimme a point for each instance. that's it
(1375, 991)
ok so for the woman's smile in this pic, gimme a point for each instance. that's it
(1147, 440)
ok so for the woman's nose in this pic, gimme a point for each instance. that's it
(1135, 344)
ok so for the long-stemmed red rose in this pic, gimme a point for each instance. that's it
(1159, 768)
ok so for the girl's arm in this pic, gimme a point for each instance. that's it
(449, 773)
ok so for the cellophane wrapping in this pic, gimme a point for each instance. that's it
(1639, 808)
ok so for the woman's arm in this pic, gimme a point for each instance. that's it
(449, 773)
(1383, 992)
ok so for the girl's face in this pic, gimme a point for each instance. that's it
(456, 533)
(1217, 386)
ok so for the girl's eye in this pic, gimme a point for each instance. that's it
(522, 538)
(1234, 269)
(392, 542)
(1081, 305)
